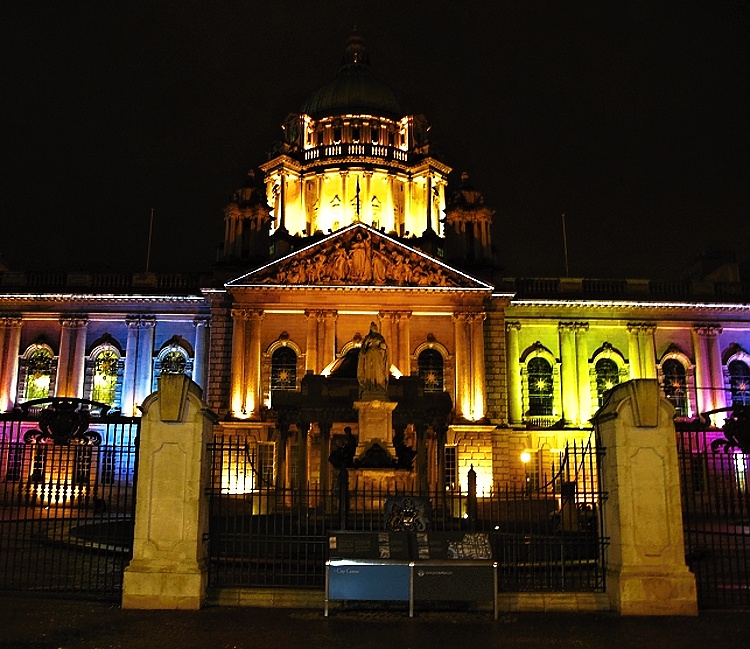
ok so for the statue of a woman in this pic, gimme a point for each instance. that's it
(374, 365)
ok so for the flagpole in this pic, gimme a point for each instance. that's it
(565, 246)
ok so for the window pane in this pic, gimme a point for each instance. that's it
(173, 362)
(607, 377)
(540, 387)
(38, 375)
(430, 364)
(739, 383)
(284, 369)
(675, 385)
(105, 377)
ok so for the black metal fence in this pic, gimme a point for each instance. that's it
(545, 539)
(67, 487)
(716, 518)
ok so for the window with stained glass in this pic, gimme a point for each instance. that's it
(284, 369)
(675, 385)
(539, 376)
(431, 366)
(607, 377)
(38, 374)
(105, 377)
(173, 362)
(739, 383)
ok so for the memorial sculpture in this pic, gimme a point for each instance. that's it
(373, 366)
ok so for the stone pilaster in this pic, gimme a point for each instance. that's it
(10, 341)
(515, 396)
(71, 359)
(200, 348)
(568, 372)
(709, 382)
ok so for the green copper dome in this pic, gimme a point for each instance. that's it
(355, 90)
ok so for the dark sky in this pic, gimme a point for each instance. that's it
(629, 117)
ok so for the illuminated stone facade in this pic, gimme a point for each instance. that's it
(351, 221)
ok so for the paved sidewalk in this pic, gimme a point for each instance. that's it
(30, 623)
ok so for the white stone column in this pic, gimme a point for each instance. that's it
(634, 352)
(387, 330)
(716, 368)
(515, 389)
(10, 341)
(200, 350)
(477, 358)
(145, 368)
(254, 365)
(311, 342)
(329, 337)
(345, 207)
(238, 396)
(568, 373)
(169, 565)
(646, 570)
(642, 350)
(404, 341)
(582, 372)
(463, 361)
(128, 403)
(71, 360)
(703, 378)
(648, 350)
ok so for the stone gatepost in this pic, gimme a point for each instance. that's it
(646, 571)
(168, 569)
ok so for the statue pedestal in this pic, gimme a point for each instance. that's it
(376, 424)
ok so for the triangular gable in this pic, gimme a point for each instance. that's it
(359, 255)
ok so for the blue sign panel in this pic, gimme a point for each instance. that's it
(368, 581)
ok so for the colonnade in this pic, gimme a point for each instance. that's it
(575, 367)
(321, 348)
(137, 380)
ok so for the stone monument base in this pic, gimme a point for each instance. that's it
(376, 423)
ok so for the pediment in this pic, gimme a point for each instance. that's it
(359, 255)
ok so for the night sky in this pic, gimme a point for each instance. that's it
(631, 118)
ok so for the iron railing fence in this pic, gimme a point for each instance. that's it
(716, 518)
(546, 539)
(66, 503)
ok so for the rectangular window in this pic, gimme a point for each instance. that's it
(266, 464)
(38, 464)
(81, 465)
(451, 468)
(109, 466)
(14, 465)
(532, 472)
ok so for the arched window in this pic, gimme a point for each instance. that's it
(38, 374)
(539, 373)
(284, 369)
(607, 377)
(173, 362)
(173, 358)
(430, 364)
(104, 386)
(675, 385)
(739, 383)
